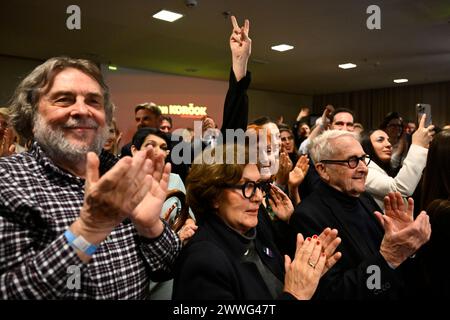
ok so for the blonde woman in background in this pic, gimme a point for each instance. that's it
(114, 137)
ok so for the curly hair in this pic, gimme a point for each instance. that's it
(25, 100)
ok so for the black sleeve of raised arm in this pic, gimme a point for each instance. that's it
(235, 111)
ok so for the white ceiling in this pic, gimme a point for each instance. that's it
(413, 43)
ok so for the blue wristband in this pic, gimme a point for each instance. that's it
(80, 243)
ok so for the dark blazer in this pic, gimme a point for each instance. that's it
(348, 278)
(213, 264)
(311, 181)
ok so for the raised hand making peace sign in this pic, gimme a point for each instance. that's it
(241, 47)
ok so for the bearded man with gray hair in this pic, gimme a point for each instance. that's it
(67, 229)
(375, 248)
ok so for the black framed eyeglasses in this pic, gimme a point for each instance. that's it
(352, 162)
(249, 188)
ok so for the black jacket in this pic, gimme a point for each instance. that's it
(235, 111)
(213, 265)
(360, 249)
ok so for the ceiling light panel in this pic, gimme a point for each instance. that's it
(282, 47)
(347, 65)
(167, 15)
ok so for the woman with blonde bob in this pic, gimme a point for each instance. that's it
(233, 255)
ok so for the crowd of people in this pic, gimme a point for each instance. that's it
(318, 209)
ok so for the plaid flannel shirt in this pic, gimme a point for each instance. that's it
(38, 202)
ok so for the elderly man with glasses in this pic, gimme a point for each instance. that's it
(375, 248)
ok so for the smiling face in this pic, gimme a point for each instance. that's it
(381, 145)
(71, 116)
(287, 141)
(237, 211)
(270, 160)
(268, 143)
(111, 140)
(339, 175)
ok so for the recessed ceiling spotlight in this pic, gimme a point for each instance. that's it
(167, 15)
(400, 80)
(282, 47)
(347, 65)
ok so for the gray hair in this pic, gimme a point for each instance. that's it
(322, 148)
(24, 102)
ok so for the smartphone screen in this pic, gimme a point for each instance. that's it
(423, 108)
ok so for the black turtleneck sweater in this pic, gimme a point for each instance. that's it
(354, 215)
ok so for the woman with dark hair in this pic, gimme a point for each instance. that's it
(299, 167)
(114, 136)
(392, 124)
(173, 206)
(382, 178)
(287, 142)
(233, 254)
(159, 140)
(436, 201)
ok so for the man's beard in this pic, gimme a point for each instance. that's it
(58, 148)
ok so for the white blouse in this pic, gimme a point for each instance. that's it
(379, 183)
